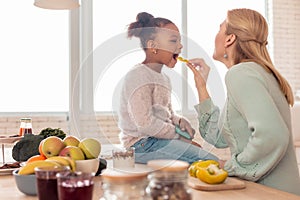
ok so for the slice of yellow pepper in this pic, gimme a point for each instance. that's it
(212, 174)
(206, 163)
(200, 164)
(208, 171)
(182, 59)
(193, 169)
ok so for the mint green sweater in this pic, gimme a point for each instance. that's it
(256, 125)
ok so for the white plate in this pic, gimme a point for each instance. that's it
(8, 140)
(7, 171)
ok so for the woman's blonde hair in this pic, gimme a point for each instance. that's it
(251, 30)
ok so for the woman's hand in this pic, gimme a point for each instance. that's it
(222, 163)
(201, 71)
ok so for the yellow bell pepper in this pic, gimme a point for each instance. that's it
(208, 171)
(193, 169)
(200, 164)
(206, 163)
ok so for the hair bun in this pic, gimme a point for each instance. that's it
(144, 18)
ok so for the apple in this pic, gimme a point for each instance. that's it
(71, 140)
(73, 152)
(51, 146)
(40, 148)
(90, 147)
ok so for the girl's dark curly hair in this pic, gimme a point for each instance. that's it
(145, 27)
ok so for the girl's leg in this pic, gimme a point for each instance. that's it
(154, 148)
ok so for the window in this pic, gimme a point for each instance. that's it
(203, 24)
(111, 62)
(34, 72)
(110, 22)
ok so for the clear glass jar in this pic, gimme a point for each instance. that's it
(25, 126)
(122, 185)
(169, 181)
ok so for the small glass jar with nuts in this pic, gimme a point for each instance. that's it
(124, 184)
(168, 180)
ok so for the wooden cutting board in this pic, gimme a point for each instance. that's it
(229, 184)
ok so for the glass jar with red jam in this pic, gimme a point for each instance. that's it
(25, 126)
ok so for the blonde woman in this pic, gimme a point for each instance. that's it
(255, 123)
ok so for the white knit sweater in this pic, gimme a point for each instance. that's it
(145, 106)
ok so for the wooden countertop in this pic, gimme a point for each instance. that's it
(252, 191)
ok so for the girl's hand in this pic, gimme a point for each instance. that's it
(184, 125)
(196, 144)
(190, 142)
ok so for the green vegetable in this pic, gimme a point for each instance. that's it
(53, 132)
(26, 147)
(29, 145)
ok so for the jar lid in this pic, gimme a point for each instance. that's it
(168, 165)
(25, 119)
(123, 175)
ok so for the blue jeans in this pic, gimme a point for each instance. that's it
(152, 148)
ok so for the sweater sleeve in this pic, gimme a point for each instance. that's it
(140, 107)
(270, 136)
(208, 117)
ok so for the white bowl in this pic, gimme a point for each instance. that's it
(87, 166)
(26, 183)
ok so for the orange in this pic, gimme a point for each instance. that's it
(36, 157)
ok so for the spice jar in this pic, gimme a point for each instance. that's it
(169, 180)
(124, 185)
(25, 126)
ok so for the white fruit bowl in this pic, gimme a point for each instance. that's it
(88, 166)
(26, 183)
